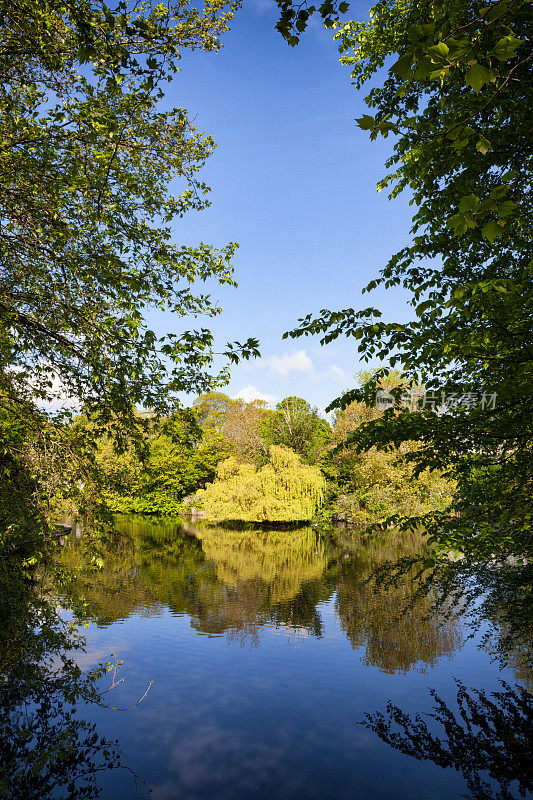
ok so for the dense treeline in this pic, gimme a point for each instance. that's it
(228, 443)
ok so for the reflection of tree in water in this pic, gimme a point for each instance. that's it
(489, 740)
(46, 749)
(236, 581)
(500, 594)
(149, 565)
(397, 628)
(226, 580)
(282, 559)
(267, 576)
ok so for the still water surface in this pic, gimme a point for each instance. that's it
(266, 650)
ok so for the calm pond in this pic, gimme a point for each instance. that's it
(266, 650)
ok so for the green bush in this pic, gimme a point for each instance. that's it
(284, 490)
(150, 503)
(380, 483)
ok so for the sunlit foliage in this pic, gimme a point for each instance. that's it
(296, 424)
(375, 484)
(233, 426)
(175, 462)
(284, 490)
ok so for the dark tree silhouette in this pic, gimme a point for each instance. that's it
(489, 740)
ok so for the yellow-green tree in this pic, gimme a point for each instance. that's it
(374, 484)
(284, 490)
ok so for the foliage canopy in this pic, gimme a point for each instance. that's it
(296, 424)
(94, 173)
(86, 245)
(456, 99)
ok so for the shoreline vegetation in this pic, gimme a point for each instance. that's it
(227, 460)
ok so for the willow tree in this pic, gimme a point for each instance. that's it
(284, 490)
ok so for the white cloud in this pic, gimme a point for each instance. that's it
(335, 373)
(288, 363)
(250, 393)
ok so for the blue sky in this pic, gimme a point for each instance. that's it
(294, 183)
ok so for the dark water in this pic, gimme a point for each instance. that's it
(266, 651)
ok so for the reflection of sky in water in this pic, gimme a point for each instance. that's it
(259, 697)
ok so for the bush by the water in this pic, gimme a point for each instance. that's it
(284, 490)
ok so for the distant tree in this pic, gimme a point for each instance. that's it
(234, 427)
(174, 463)
(372, 485)
(351, 416)
(212, 409)
(297, 425)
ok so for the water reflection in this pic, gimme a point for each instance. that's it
(47, 747)
(489, 739)
(235, 582)
(227, 581)
(280, 560)
(397, 628)
(264, 720)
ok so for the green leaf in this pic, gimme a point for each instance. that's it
(458, 48)
(402, 67)
(477, 76)
(468, 202)
(483, 146)
(506, 48)
(366, 122)
(439, 74)
(506, 208)
(439, 53)
(491, 231)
